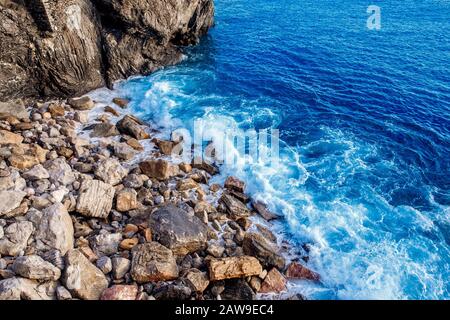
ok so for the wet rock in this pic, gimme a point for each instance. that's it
(106, 244)
(7, 137)
(104, 130)
(10, 200)
(153, 262)
(237, 289)
(177, 230)
(166, 147)
(95, 199)
(55, 228)
(35, 268)
(187, 184)
(128, 244)
(82, 278)
(134, 181)
(110, 171)
(126, 200)
(133, 127)
(256, 245)
(111, 110)
(234, 183)
(233, 267)
(197, 280)
(120, 267)
(56, 110)
(121, 102)
(26, 289)
(172, 292)
(16, 238)
(159, 169)
(273, 282)
(84, 103)
(60, 172)
(123, 151)
(105, 264)
(120, 292)
(262, 210)
(297, 271)
(235, 208)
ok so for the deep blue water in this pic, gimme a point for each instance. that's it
(365, 120)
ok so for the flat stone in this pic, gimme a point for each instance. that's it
(35, 268)
(120, 292)
(63, 294)
(110, 171)
(95, 199)
(135, 144)
(10, 200)
(159, 169)
(82, 278)
(56, 110)
(55, 228)
(153, 262)
(268, 253)
(177, 230)
(233, 267)
(273, 282)
(84, 103)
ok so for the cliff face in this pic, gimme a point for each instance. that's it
(68, 47)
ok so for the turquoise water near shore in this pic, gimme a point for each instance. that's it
(364, 117)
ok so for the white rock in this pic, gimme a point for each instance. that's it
(10, 200)
(38, 172)
(60, 172)
(95, 199)
(111, 171)
(26, 289)
(106, 244)
(35, 268)
(16, 238)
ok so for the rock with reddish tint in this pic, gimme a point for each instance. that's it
(202, 165)
(121, 102)
(235, 208)
(132, 126)
(120, 292)
(177, 230)
(262, 210)
(7, 137)
(273, 282)
(233, 267)
(159, 169)
(267, 252)
(297, 271)
(153, 262)
(166, 147)
(235, 184)
(126, 200)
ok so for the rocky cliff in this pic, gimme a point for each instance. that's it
(68, 47)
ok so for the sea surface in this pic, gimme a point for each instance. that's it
(364, 119)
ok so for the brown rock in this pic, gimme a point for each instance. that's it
(126, 200)
(186, 167)
(135, 144)
(153, 262)
(7, 137)
(159, 169)
(132, 126)
(197, 280)
(273, 282)
(166, 147)
(297, 271)
(104, 129)
(128, 244)
(235, 208)
(234, 183)
(267, 252)
(121, 102)
(187, 184)
(261, 208)
(120, 292)
(56, 110)
(111, 110)
(233, 267)
(81, 104)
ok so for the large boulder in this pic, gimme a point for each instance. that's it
(82, 278)
(178, 230)
(153, 262)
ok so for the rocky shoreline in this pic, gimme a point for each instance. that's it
(86, 212)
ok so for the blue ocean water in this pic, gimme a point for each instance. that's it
(364, 117)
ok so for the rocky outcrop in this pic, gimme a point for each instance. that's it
(68, 47)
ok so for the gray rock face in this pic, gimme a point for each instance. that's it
(82, 278)
(10, 200)
(26, 289)
(177, 230)
(15, 238)
(106, 244)
(35, 268)
(69, 47)
(55, 228)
